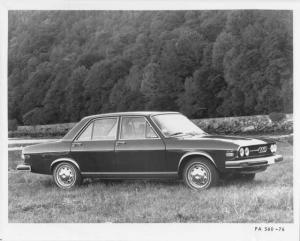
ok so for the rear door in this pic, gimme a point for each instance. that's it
(139, 149)
(94, 148)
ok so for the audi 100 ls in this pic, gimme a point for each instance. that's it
(145, 145)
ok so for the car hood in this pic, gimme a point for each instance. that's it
(236, 140)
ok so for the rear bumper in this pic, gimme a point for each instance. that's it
(254, 162)
(24, 167)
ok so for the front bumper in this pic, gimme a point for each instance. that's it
(254, 162)
(24, 167)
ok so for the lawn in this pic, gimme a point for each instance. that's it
(269, 198)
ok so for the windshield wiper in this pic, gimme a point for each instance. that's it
(194, 133)
(176, 133)
(186, 133)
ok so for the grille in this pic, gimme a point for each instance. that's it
(259, 150)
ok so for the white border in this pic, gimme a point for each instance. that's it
(139, 231)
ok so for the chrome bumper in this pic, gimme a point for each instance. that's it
(24, 167)
(254, 162)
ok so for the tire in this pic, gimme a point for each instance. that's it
(206, 177)
(66, 175)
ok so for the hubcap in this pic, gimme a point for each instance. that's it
(199, 176)
(66, 176)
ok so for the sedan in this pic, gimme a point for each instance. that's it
(147, 145)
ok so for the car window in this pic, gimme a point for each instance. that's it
(86, 134)
(136, 128)
(105, 129)
(101, 129)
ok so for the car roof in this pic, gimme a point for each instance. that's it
(71, 134)
(132, 113)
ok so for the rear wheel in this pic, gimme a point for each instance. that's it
(66, 175)
(199, 174)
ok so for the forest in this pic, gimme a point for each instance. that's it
(64, 65)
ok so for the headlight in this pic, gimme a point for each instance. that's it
(273, 148)
(242, 152)
(247, 152)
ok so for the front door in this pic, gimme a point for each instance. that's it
(94, 148)
(139, 149)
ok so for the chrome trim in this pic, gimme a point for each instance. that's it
(65, 159)
(199, 153)
(269, 159)
(130, 173)
(120, 129)
(24, 167)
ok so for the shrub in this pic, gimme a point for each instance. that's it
(12, 125)
(276, 117)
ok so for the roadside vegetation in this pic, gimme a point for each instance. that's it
(260, 124)
(269, 198)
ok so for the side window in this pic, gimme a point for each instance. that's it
(86, 134)
(105, 129)
(101, 129)
(136, 128)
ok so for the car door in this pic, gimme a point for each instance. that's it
(94, 148)
(139, 149)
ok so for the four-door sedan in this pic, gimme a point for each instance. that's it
(147, 145)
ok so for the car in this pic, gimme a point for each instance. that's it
(147, 145)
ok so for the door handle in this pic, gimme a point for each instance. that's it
(120, 143)
(76, 144)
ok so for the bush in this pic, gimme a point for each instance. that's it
(276, 117)
(12, 125)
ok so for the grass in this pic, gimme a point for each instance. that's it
(269, 198)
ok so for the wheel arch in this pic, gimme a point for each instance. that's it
(188, 156)
(64, 159)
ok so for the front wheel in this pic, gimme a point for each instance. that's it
(66, 175)
(199, 173)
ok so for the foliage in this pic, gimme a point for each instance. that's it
(277, 117)
(63, 65)
(12, 125)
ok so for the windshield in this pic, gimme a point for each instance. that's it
(176, 124)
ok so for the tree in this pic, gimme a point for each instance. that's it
(75, 94)
(63, 65)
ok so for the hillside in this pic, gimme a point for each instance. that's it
(63, 65)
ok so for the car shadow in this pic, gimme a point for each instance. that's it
(236, 182)
(48, 182)
(111, 182)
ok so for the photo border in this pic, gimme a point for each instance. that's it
(116, 231)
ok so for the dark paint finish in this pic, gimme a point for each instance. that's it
(94, 155)
(42, 155)
(145, 158)
(140, 156)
